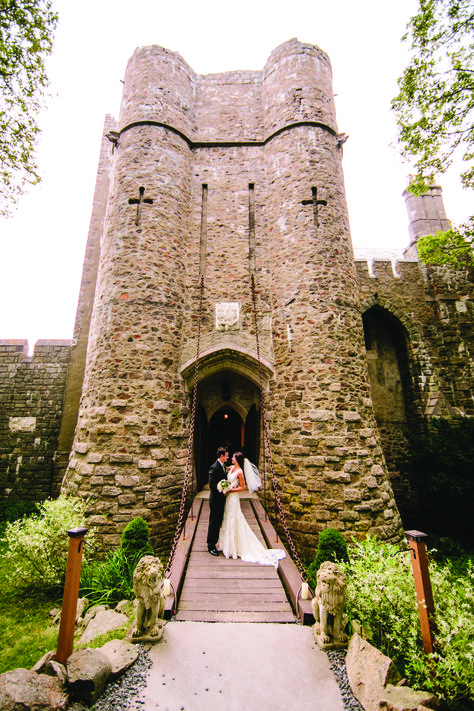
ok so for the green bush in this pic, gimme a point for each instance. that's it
(381, 597)
(135, 539)
(332, 546)
(38, 545)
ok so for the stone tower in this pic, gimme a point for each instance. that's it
(225, 177)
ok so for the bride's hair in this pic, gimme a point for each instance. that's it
(240, 459)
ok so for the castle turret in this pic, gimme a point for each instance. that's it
(426, 216)
(228, 177)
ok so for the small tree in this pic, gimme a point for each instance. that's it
(333, 547)
(135, 539)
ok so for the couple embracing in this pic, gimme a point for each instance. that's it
(228, 529)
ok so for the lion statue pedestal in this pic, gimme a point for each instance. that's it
(327, 606)
(149, 602)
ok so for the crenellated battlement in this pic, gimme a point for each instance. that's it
(16, 350)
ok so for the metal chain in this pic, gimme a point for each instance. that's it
(296, 558)
(179, 525)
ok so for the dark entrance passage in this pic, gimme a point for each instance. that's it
(228, 415)
(226, 430)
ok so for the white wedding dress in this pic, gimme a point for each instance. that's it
(236, 538)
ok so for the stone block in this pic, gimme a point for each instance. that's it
(126, 499)
(150, 440)
(131, 420)
(121, 656)
(88, 671)
(24, 689)
(111, 491)
(81, 447)
(402, 698)
(161, 405)
(320, 415)
(120, 458)
(146, 464)
(103, 621)
(350, 416)
(368, 671)
(352, 495)
(126, 480)
(336, 477)
(159, 453)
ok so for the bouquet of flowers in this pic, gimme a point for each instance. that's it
(224, 486)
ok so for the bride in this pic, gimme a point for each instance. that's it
(236, 538)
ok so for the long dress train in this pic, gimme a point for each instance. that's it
(236, 538)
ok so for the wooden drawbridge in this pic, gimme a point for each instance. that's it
(214, 589)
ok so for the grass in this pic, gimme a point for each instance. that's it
(26, 632)
(26, 628)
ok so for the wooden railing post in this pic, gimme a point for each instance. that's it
(71, 592)
(424, 593)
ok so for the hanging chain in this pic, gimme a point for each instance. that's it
(179, 525)
(296, 558)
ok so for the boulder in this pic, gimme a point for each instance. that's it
(121, 656)
(126, 607)
(49, 666)
(26, 690)
(368, 671)
(104, 621)
(88, 671)
(402, 698)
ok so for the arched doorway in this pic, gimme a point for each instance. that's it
(228, 384)
(394, 393)
(229, 416)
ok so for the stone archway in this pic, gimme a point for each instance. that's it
(394, 392)
(228, 384)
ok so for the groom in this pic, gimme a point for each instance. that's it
(217, 472)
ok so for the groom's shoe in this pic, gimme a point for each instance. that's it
(213, 551)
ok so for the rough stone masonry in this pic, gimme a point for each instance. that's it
(225, 177)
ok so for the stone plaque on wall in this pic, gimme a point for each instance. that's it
(227, 316)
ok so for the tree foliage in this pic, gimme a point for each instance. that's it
(435, 110)
(26, 39)
(453, 247)
(435, 105)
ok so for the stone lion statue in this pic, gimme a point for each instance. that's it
(150, 600)
(328, 604)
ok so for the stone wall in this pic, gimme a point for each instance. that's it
(426, 315)
(31, 403)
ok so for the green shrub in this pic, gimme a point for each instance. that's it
(332, 546)
(381, 597)
(135, 538)
(37, 546)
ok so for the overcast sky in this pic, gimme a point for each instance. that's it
(42, 246)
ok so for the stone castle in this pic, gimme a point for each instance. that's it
(204, 184)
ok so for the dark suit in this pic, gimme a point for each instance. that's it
(216, 503)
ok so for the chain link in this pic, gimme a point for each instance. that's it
(179, 525)
(296, 558)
